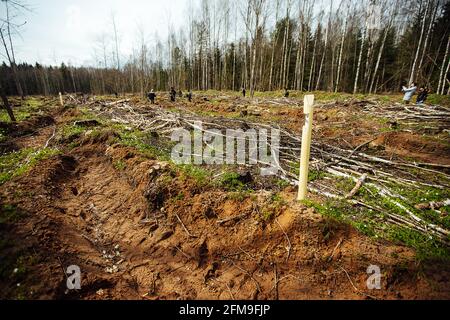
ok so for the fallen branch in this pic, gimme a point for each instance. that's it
(358, 186)
(289, 247)
(184, 227)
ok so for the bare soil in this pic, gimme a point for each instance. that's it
(143, 231)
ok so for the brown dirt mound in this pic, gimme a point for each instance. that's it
(414, 146)
(28, 126)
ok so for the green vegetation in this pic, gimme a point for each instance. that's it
(324, 96)
(230, 181)
(426, 246)
(436, 99)
(19, 113)
(315, 175)
(16, 163)
(72, 132)
(28, 107)
(141, 141)
(201, 176)
(120, 165)
(372, 223)
(273, 207)
(282, 183)
(240, 195)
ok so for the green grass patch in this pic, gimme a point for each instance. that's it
(371, 223)
(315, 175)
(72, 132)
(240, 195)
(28, 107)
(437, 99)
(201, 176)
(141, 141)
(282, 183)
(120, 165)
(19, 114)
(426, 246)
(230, 181)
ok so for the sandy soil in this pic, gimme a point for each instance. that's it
(135, 237)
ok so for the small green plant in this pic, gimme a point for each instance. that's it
(282, 183)
(231, 181)
(201, 176)
(72, 132)
(16, 163)
(140, 140)
(267, 214)
(315, 175)
(240, 195)
(120, 165)
(276, 198)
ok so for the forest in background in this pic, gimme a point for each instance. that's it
(349, 46)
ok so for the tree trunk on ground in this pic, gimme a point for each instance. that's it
(6, 104)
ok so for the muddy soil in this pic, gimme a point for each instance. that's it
(141, 230)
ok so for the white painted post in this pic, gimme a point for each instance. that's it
(61, 101)
(306, 146)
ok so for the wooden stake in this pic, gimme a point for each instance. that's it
(61, 101)
(306, 147)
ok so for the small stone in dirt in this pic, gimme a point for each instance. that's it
(74, 191)
(153, 227)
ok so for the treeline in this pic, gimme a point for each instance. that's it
(354, 46)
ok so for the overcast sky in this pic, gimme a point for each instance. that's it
(66, 30)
